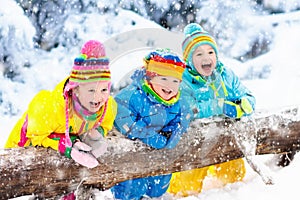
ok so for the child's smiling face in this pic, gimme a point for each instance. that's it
(92, 96)
(204, 59)
(165, 86)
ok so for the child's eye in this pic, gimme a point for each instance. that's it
(211, 52)
(104, 90)
(163, 79)
(92, 90)
(175, 81)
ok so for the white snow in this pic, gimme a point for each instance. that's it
(273, 77)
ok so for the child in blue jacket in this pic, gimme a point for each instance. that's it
(211, 89)
(149, 109)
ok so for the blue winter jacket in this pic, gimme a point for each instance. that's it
(141, 116)
(203, 96)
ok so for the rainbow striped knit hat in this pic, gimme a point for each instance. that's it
(92, 65)
(195, 36)
(163, 62)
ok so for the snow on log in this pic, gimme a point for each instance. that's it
(46, 174)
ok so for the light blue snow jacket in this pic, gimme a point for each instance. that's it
(203, 96)
(141, 116)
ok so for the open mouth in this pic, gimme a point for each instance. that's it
(207, 65)
(94, 104)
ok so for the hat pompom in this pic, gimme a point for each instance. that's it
(193, 28)
(93, 49)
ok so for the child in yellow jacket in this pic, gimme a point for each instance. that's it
(79, 107)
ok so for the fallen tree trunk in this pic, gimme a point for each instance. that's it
(47, 174)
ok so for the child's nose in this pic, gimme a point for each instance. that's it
(98, 96)
(206, 57)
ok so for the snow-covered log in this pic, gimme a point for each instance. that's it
(47, 174)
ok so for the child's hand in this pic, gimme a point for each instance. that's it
(238, 109)
(81, 154)
(173, 140)
(102, 149)
(82, 146)
(157, 141)
(97, 142)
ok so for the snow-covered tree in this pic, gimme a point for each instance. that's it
(16, 37)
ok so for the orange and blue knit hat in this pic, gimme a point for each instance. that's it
(195, 36)
(163, 62)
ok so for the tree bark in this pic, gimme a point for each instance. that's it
(46, 174)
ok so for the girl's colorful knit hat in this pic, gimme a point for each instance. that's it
(163, 62)
(195, 36)
(91, 66)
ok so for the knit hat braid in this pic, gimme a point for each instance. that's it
(195, 36)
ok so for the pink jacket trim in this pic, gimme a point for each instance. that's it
(23, 138)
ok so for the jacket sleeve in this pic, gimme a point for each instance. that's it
(42, 120)
(128, 120)
(209, 108)
(182, 120)
(238, 91)
(179, 125)
(198, 107)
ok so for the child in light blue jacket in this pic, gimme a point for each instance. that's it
(211, 89)
(149, 109)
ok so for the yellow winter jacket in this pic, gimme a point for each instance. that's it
(46, 114)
